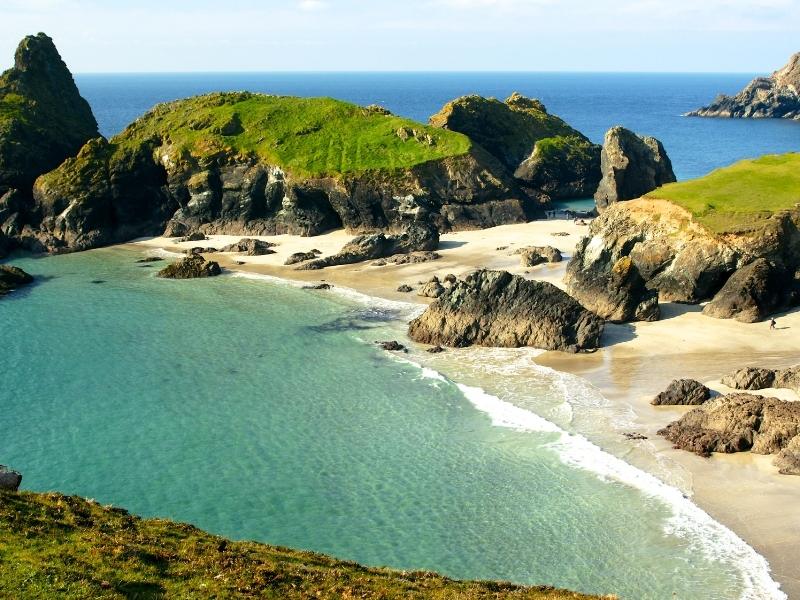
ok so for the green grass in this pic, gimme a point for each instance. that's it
(740, 198)
(309, 137)
(70, 548)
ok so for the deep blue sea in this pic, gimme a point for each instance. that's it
(650, 104)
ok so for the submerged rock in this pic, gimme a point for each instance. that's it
(632, 165)
(12, 278)
(495, 308)
(250, 247)
(191, 267)
(683, 392)
(9, 479)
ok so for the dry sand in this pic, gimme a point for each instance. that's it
(743, 491)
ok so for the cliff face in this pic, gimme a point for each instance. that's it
(777, 96)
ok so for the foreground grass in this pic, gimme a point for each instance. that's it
(67, 547)
(307, 136)
(742, 197)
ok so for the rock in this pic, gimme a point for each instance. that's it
(150, 259)
(299, 257)
(450, 279)
(633, 436)
(788, 459)
(405, 288)
(618, 294)
(435, 350)
(750, 378)
(9, 480)
(195, 236)
(392, 346)
(753, 292)
(191, 267)
(414, 258)
(631, 165)
(12, 278)
(43, 118)
(200, 250)
(319, 286)
(418, 236)
(536, 255)
(432, 289)
(250, 247)
(737, 423)
(495, 308)
(777, 96)
(683, 392)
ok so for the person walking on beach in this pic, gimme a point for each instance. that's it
(772, 323)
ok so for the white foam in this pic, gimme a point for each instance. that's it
(164, 253)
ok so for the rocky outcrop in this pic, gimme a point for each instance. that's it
(548, 157)
(683, 392)
(738, 423)
(660, 244)
(9, 479)
(12, 278)
(631, 165)
(43, 118)
(250, 247)
(777, 96)
(756, 378)
(755, 291)
(191, 267)
(495, 308)
(531, 256)
(416, 237)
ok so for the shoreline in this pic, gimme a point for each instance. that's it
(741, 491)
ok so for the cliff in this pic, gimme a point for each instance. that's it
(776, 96)
(71, 548)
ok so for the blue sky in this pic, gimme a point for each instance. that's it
(340, 35)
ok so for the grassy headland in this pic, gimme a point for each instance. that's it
(739, 198)
(67, 547)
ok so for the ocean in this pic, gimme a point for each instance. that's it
(259, 410)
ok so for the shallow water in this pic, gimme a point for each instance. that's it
(263, 411)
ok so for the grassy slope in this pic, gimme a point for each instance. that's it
(66, 547)
(307, 136)
(741, 197)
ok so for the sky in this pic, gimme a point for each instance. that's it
(743, 36)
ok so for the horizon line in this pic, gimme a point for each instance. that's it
(414, 72)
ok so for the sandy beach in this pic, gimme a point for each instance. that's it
(742, 491)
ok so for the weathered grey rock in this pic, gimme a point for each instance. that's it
(753, 292)
(250, 247)
(12, 278)
(777, 96)
(631, 165)
(750, 378)
(683, 392)
(737, 423)
(413, 258)
(432, 289)
(531, 256)
(200, 250)
(9, 479)
(495, 308)
(405, 288)
(195, 236)
(191, 267)
(788, 459)
(299, 257)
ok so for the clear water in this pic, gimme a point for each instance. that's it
(263, 411)
(592, 102)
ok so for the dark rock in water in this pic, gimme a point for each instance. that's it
(777, 96)
(195, 236)
(618, 294)
(418, 236)
(432, 289)
(250, 247)
(150, 259)
(12, 278)
(537, 255)
(435, 350)
(683, 392)
(737, 423)
(632, 165)
(392, 346)
(495, 308)
(299, 257)
(405, 288)
(754, 292)
(191, 267)
(633, 436)
(97, 281)
(9, 480)
(319, 286)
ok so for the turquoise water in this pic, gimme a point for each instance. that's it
(263, 411)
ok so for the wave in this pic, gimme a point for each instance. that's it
(687, 521)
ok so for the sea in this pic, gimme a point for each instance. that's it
(260, 410)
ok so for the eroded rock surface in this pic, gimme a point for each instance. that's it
(250, 247)
(683, 392)
(191, 267)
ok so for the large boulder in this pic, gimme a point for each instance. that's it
(777, 96)
(9, 479)
(12, 278)
(632, 165)
(753, 292)
(561, 167)
(683, 392)
(757, 378)
(495, 308)
(191, 267)
(530, 256)
(250, 247)
(738, 423)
